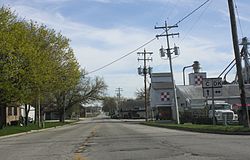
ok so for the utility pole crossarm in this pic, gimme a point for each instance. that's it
(168, 27)
(164, 35)
(147, 59)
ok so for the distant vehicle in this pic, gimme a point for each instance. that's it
(204, 115)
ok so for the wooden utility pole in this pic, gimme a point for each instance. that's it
(166, 28)
(118, 90)
(243, 117)
(144, 72)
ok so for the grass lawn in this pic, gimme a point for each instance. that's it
(230, 129)
(18, 129)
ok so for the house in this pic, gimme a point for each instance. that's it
(13, 114)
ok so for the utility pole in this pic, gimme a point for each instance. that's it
(245, 44)
(144, 72)
(245, 54)
(118, 93)
(243, 115)
(166, 28)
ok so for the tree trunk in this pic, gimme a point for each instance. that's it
(61, 115)
(26, 114)
(2, 116)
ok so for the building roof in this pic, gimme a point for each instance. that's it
(190, 91)
(165, 74)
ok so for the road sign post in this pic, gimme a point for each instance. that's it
(213, 108)
(212, 87)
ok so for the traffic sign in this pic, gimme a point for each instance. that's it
(207, 92)
(212, 87)
(212, 83)
(217, 92)
(207, 83)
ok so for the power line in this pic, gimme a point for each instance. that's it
(238, 17)
(148, 42)
(197, 20)
(129, 53)
(192, 12)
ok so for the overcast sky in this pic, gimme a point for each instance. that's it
(103, 30)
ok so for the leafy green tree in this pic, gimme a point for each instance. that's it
(10, 64)
(35, 62)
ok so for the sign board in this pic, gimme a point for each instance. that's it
(212, 87)
(207, 92)
(212, 83)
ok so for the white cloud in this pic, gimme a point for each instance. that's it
(95, 47)
(50, 1)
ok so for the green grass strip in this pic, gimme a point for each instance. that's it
(18, 129)
(220, 129)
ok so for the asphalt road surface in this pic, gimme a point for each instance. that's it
(105, 139)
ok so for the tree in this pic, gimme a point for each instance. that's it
(86, 91)
(140, 93)
(109, 104)
(10, 65)
(35, 62)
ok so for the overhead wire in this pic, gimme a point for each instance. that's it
(238, 17)
(197, 20)
(241, 53)
(118, 59)
(148, 42)
(192, 12)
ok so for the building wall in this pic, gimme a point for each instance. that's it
(12, 115)
(161, 97)
(161, 94)
(196, 78)
(31, 112)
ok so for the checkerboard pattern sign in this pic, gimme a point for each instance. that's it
(198, 79)
(165, 96)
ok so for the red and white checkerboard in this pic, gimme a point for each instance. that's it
(165, 96)
(198, 79)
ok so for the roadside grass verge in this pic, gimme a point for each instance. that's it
(18, 129)
(218, 129)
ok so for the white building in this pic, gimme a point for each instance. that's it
(31, 114)
(161, 96)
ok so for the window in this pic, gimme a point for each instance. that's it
(15, 111)
(9, 111)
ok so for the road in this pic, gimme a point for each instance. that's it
(106, 139)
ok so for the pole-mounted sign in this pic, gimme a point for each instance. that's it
(212, 87)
